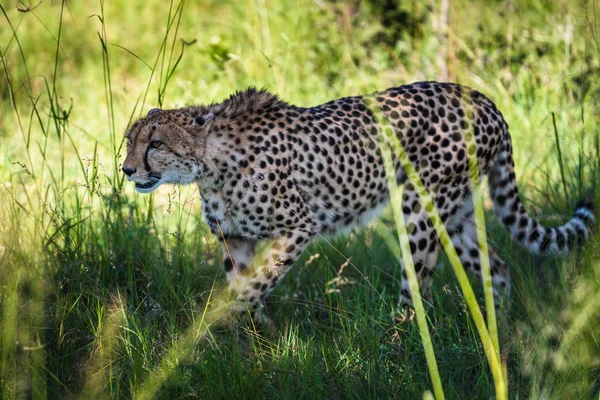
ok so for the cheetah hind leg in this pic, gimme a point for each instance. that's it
(464, 239)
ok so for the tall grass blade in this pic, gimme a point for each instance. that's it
(409, 267)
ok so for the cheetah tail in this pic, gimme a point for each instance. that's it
(530, 233)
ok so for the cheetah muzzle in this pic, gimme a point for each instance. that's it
(268, 170)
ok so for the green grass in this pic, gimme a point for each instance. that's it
(98, 284)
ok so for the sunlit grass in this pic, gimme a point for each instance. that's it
(103, 292)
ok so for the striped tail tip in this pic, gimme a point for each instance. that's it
(584, 211)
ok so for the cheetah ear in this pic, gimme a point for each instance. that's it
(205, 121)
(153, 111)
(201, 130)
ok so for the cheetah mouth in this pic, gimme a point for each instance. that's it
(146, 187)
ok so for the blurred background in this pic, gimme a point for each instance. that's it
(98, 283)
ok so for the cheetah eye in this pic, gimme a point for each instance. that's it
(155, 144)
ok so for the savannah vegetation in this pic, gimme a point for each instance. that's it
(103, 291)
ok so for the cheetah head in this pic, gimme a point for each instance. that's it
(165, 147)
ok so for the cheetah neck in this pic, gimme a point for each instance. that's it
(217, 166)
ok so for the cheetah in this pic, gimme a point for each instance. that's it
(268, 170)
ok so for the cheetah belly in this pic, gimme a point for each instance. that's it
(335, 208)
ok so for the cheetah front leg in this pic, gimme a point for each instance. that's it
(238, 255)
(252, 284)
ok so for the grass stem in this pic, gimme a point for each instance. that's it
(407, 263)
(560, 158)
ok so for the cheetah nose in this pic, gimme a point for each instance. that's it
(128, 170)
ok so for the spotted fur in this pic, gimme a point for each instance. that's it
(268, 170)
